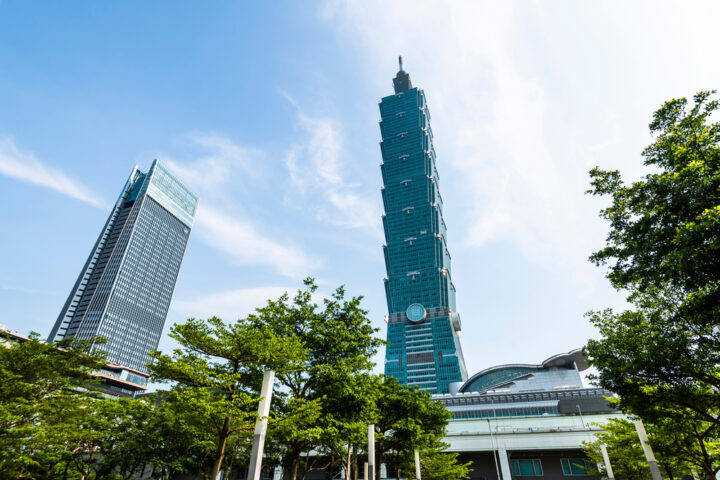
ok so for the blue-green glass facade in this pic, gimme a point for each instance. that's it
(423, 348)
(124, 290)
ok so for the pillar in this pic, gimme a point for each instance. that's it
(606, 461)
(649, 455)
(504, 464)
(261, 426)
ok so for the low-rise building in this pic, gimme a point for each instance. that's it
(526, 420)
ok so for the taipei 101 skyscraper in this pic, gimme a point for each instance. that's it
(423, 345)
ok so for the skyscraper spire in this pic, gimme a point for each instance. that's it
(402, 82)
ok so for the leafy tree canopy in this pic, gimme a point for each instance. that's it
(662, 357)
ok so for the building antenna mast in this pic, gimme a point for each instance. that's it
(400, 62)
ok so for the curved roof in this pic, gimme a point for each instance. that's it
(498, 374)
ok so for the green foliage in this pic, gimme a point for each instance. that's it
(434, 465)
(218, 370)
(324, 403)
(406, 419)
(43, 387)
(676, 452)
(624, 449)
(663, 357)
(52, 425)
(664, 228)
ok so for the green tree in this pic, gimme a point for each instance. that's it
(664, 248)
(351, 406)
(405, 419)
(664, 229)
(43, 389)
(624, 449)
(340, 342)
(435, 465)
(663, 357)
(183, 444)
(217, 370)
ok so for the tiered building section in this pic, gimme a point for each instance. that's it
(423, 346)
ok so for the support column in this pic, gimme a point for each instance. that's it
(371, 452)
(417, 465)
(505, 464)
(261, 426)
(606, 461)
(649, 455)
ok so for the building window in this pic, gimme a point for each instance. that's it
(575, 466)
(527, 467)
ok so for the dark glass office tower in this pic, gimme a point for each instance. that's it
(124, 290)
(423, 346)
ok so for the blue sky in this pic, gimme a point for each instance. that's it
(269, 112)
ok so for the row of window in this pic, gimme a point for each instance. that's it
(532, 467)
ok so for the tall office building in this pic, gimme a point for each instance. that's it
(423, 345)
(123, 292)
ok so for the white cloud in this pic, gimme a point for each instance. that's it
(521, 97)
(215, 174)
(315, 166)
(229, 305)
(241, 240)
(221, 162)
(23, 166)
(524, 99)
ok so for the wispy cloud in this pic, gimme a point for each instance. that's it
(23, 166)
(15, 288)
(228, 305)
(215, 174)
(315, 166)
(219, 162)
(492, 117)
(242, 241)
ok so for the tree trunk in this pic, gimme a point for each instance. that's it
(294, 467)
(378, 459)
(347, 467)
(220, 452)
